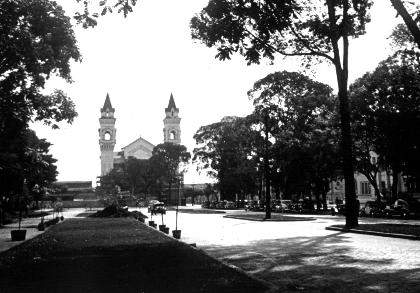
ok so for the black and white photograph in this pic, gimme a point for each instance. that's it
(209, 146)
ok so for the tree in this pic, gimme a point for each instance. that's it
(31, 168)
(39, 166)
(408, 20)
(168, 159)
(37, 41)
(390, 95)
(364, 136)
(208, 191)
(89, 15)
(138, 173)
(225, 151)
(299, 113)
(262, 29)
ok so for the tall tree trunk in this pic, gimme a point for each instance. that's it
(408, 20)
(395, 174)
(350, 192)
(342, 80)
(266, 172)
(324, 201)
(318, 199)
(170, 191)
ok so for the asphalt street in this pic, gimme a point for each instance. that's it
(303, 256)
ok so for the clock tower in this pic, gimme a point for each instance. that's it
(107, 135)
(171, 123)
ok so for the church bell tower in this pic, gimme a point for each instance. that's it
(107, 135)
(171, 123)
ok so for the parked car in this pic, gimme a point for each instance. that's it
(255, 206)
(157, 208)
(403, 208)
(283, 205)
(373, 209)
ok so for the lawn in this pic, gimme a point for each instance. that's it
(260, 216)
(200, 211)
(405, 229)
(114, 255)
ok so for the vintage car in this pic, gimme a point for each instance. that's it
(283, 205)
(403, 208)
(373, 209)
(156, 207)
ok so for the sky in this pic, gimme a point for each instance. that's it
(140, 60)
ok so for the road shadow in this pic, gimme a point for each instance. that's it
(317, 264)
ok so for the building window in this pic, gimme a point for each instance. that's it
(373, 160)
(107, 136)
(365, 187)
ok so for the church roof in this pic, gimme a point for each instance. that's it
(107, 104)
(171, 104)
(139, 140)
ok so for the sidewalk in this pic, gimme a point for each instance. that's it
(30, 225)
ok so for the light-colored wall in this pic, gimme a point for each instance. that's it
(107, 162)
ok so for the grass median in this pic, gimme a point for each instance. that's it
(114, 255)
(399, 229)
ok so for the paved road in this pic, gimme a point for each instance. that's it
(303, 256)
(297, 256)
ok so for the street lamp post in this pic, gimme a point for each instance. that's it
(177, 203)
(177, 233)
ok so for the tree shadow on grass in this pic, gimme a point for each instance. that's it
(317, 264)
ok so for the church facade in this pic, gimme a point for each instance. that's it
(139, 148)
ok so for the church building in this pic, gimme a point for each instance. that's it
(140, 148)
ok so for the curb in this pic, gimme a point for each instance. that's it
(289, 219)
(374, 233)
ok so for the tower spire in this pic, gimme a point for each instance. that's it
(171, 104)
(107, 104)
(107, 136)
(171, 123)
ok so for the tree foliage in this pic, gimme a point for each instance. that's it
(290, 141)
(411, 20)
(389, 105)
(313, 30)
(28, 169)
(90, 12)
(36, 42)
(147, 177)
(169, 160)
(303, 129)
(224, 151)
(260, 29)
